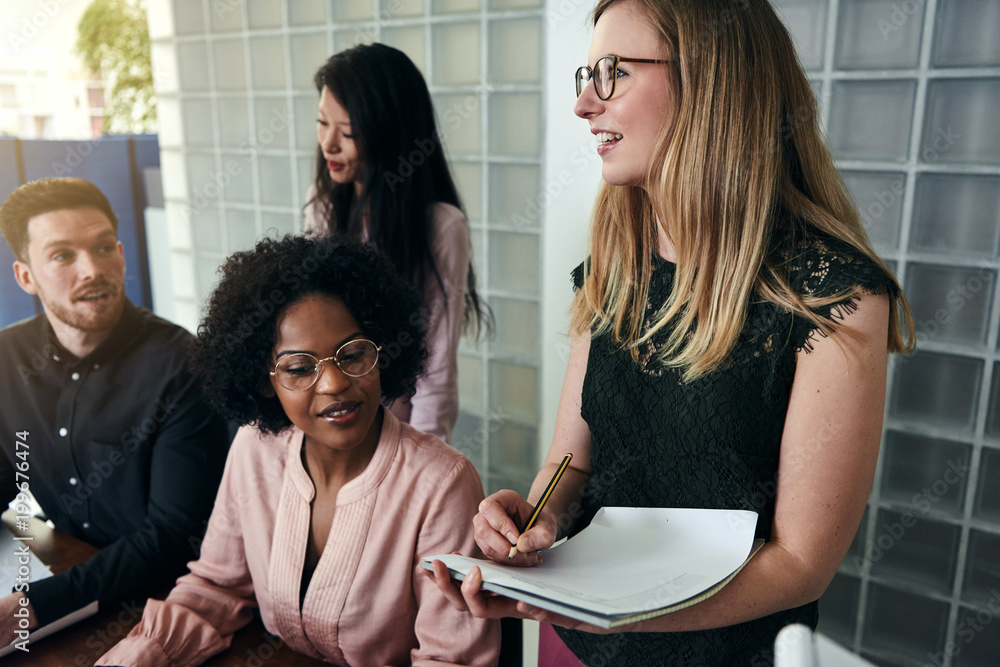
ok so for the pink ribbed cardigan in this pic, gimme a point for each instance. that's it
(366, 604)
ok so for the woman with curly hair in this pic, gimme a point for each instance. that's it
(328, 502)
(382, 178)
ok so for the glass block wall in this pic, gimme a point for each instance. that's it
(237, 132)
(908, 90)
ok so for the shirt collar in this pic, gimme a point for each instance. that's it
(113, 344)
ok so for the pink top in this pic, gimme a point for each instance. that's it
(434, 406)
(366, 603)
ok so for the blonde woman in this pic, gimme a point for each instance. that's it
(730, 328)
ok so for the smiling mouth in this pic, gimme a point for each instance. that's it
(607, 137)
(96, 295)
(341, 413)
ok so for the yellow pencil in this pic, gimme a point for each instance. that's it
(544, 499)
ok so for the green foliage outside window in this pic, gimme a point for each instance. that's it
(113, 40)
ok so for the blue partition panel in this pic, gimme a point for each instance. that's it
(106, 163)
(15, 303)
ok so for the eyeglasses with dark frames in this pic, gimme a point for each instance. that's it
(605, 73)
(300, 371)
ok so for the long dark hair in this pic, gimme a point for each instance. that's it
(404, 171)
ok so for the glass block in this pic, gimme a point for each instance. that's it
(960, 125)
(515, 124)
(353, 10)
(206, 276)
(225, 16)
(306, 167)
(879, 196)
(513, 392)
(937, 390)
(903, 624)
(182, 275)
(230, 68)
(304, 121)
(170, 130)
(929, 474)
(272, 118)
(455, 53)
(978, 635)
(514, 197)
(879, 34)
(993, 417)
(454, 6)
(241, 230)
(914, 550)
(982, 567)
(275, 181)
(494, 482)
(197, 115)
(460, 122)
(870, 120)
(191, 59)
(308, 52)
(200, 169)
(276, 225)
(950, 304)
(513, 262)
(987, 503)
(967, 32)
(234, 121)
(806, 21)
(267, 59)
(469, 437)
(307, 12)
(401, 8)
(206, 230)
(410, 40)
(470, 382)
(956, 214)
(235, 180)
(263, 14)
(469, 181)
(189, 18)
(514, 4)
(515, 50)
(840, 608)
(514, 449)
(517, 328)
(173, 168)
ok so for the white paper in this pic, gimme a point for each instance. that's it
(630, 560)
(10, 555)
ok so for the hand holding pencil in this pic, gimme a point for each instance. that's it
(542, 500)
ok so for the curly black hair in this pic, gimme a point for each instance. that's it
(233, 348)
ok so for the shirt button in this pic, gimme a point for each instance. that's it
(73, 481)
(75, 376)
(63, 432)
(96, 366)
(86, 524)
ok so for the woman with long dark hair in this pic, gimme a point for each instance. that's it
(382, 177)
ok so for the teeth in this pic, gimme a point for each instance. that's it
(605, 137)
(338, 413)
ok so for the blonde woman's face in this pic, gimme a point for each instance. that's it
(626, 126)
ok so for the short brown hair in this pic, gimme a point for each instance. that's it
(44, 196)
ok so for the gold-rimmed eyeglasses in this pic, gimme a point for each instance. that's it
(605, 73)
(299, 371)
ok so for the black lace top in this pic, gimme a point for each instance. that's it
(711, 443)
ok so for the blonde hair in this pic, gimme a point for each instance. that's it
(739, 165)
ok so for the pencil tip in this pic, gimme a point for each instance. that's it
(513, 550)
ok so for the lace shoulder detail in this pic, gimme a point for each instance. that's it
(826, 267)
(577, 276)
